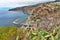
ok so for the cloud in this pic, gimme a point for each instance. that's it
(16, 3)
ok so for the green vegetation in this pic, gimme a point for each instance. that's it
(14, 33)
(8, 33)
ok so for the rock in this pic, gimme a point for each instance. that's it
(48, 15)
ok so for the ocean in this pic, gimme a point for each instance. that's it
(7, 17)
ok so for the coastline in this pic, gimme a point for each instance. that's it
(44, 14)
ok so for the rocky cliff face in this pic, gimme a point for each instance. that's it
(44, 16)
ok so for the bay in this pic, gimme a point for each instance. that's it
(7, 17)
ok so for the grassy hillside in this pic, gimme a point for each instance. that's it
(14, 33)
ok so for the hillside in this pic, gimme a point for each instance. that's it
(47, 15)
(43, 23)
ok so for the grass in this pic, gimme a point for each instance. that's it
(14, 33)
(7, 33)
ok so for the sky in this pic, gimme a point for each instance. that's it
(19, 3)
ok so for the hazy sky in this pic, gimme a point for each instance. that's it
(16, 3)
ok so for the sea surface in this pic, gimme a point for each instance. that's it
(7, 17)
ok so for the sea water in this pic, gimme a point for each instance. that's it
(7, 17)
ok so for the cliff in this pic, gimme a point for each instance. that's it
(43, 16)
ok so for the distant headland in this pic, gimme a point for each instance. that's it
(22, 8)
